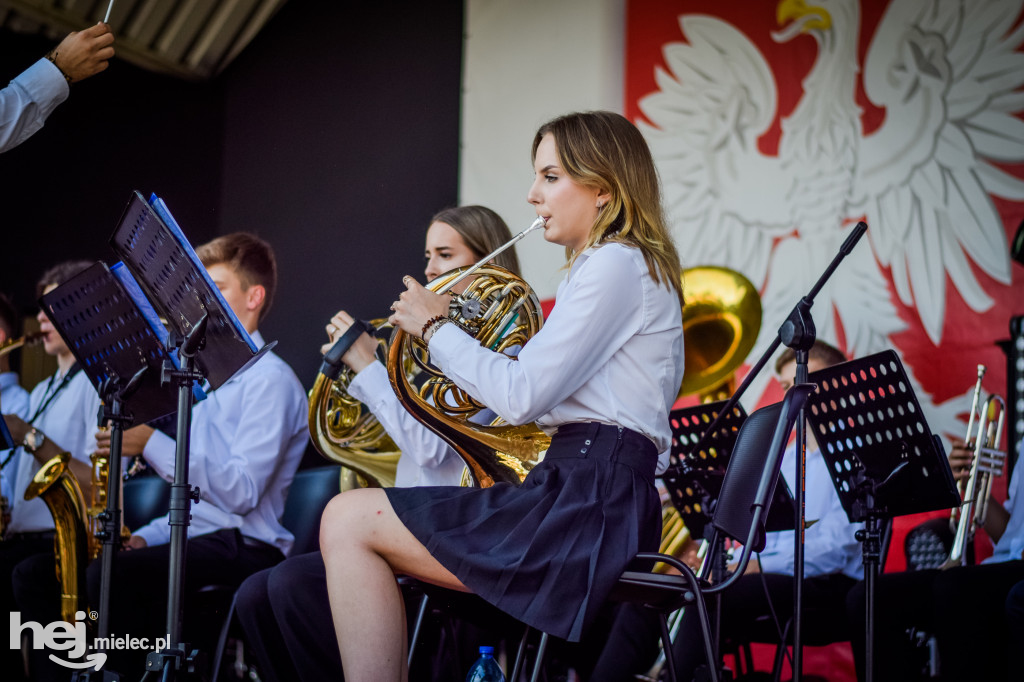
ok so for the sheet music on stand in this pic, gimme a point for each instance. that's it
(111, 336)
(696, 469)
(155, 250)
(870, 428)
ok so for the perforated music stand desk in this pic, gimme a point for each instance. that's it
(111, 337)
(697, 467)
(155, 250)
(883, 459)
(872, 433)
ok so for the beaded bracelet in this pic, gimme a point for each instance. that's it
(52, 56)
(430, 322)
(427, 335)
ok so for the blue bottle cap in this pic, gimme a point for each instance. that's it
(487, 649)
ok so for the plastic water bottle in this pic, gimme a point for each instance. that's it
(486, 669)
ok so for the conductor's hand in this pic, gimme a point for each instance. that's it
(85, 53)
(133, 440)
(960, 457)
(416, 305)
(361, 353)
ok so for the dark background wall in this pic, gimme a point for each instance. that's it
(334, 136)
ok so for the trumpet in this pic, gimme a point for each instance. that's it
(988, 462)
(11, 345)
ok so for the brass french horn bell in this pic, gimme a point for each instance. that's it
(721, 319)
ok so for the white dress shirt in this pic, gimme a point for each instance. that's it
(13, 398)
(830, 544)
(247, 439)
(426, 459)
(70, 420)
(1011, 542)
(28, 100)
(611, 351)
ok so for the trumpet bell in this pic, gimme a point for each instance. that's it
(721, 319)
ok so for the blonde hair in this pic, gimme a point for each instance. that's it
(603, 150)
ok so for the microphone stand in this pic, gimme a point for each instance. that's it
(177, 656)
(798, 333)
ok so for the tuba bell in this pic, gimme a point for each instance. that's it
(502, 312)
(721, 319)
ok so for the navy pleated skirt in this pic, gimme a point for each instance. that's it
(548, 551)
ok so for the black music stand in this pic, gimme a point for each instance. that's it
(883, 459)
(698, 463)
(212, 344)
(118, 343)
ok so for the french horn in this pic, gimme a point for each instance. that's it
(344, 431)
(501, 311)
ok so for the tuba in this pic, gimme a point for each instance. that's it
(721, 319)
(59, 489)
(987, 463)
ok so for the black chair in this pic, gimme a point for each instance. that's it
(144, 499)
(740, 514)
(309, 494)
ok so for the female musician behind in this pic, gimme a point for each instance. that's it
(600, 377)
(284, 609)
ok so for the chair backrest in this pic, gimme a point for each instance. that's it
(754, 465)
(309, 493)
(145, 498)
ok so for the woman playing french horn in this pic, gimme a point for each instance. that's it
(599, 377)
(284, 610)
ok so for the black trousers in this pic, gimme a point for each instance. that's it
(13, 551)
(138, 594)
(286, 617)
(965, 608)
(633, 643)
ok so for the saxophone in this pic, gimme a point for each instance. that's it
(57, 487)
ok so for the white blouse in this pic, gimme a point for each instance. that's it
(611, 351)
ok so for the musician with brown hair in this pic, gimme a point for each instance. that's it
(964, 607)
(284, 610)
(599, 377)
(61, 418)
(246, 441)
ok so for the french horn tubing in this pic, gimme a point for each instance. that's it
(502, 312)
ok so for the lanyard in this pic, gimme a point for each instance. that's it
(50, 397)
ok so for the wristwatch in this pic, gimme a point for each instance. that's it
(34, 440)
